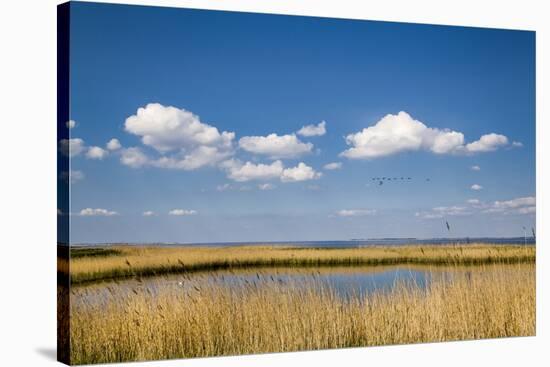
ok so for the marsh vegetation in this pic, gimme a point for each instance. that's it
(127, 261)
(212, 301)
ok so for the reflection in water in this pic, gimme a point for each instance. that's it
(345, 281)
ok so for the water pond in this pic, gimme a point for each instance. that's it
(345, 281)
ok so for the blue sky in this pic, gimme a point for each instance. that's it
(229, 143)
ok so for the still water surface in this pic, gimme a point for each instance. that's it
(346, 281)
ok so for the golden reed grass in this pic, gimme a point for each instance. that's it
(125, 261)
(212, 320)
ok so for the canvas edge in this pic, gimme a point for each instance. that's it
(63, 183)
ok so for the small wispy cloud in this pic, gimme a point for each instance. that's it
(313, 187)
(355, 212)
(520, 205)
(224, 187)
(332, 166)
(527, 210)
(475, 168)
(148, 213)
(444, 211)
(242, 188)
(71, 176)
(182, 212)
(96, 212)
(266, 186)
(476, 187)
(133, 157)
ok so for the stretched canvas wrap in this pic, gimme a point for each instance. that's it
(235, 183)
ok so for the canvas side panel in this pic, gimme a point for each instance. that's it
(63, 182)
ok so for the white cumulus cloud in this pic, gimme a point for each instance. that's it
(400, 133)
(242, 172)
(302, 172)
(70, 124)
(275, 146)
(475, 168)
(96, 153)
(148, 213)
(476, 187)
(113, 144)
(237, 171)
(71, 147)
(487, 143)
(313, 130)
(170, 129)
(167, 128)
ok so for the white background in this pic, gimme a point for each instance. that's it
(28, 181)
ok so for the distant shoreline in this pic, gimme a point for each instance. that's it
(107, 263)
(355, 242)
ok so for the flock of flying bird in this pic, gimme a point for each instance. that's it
(381, 180)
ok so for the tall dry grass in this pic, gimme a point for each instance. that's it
(211, 320)
(124, 261)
